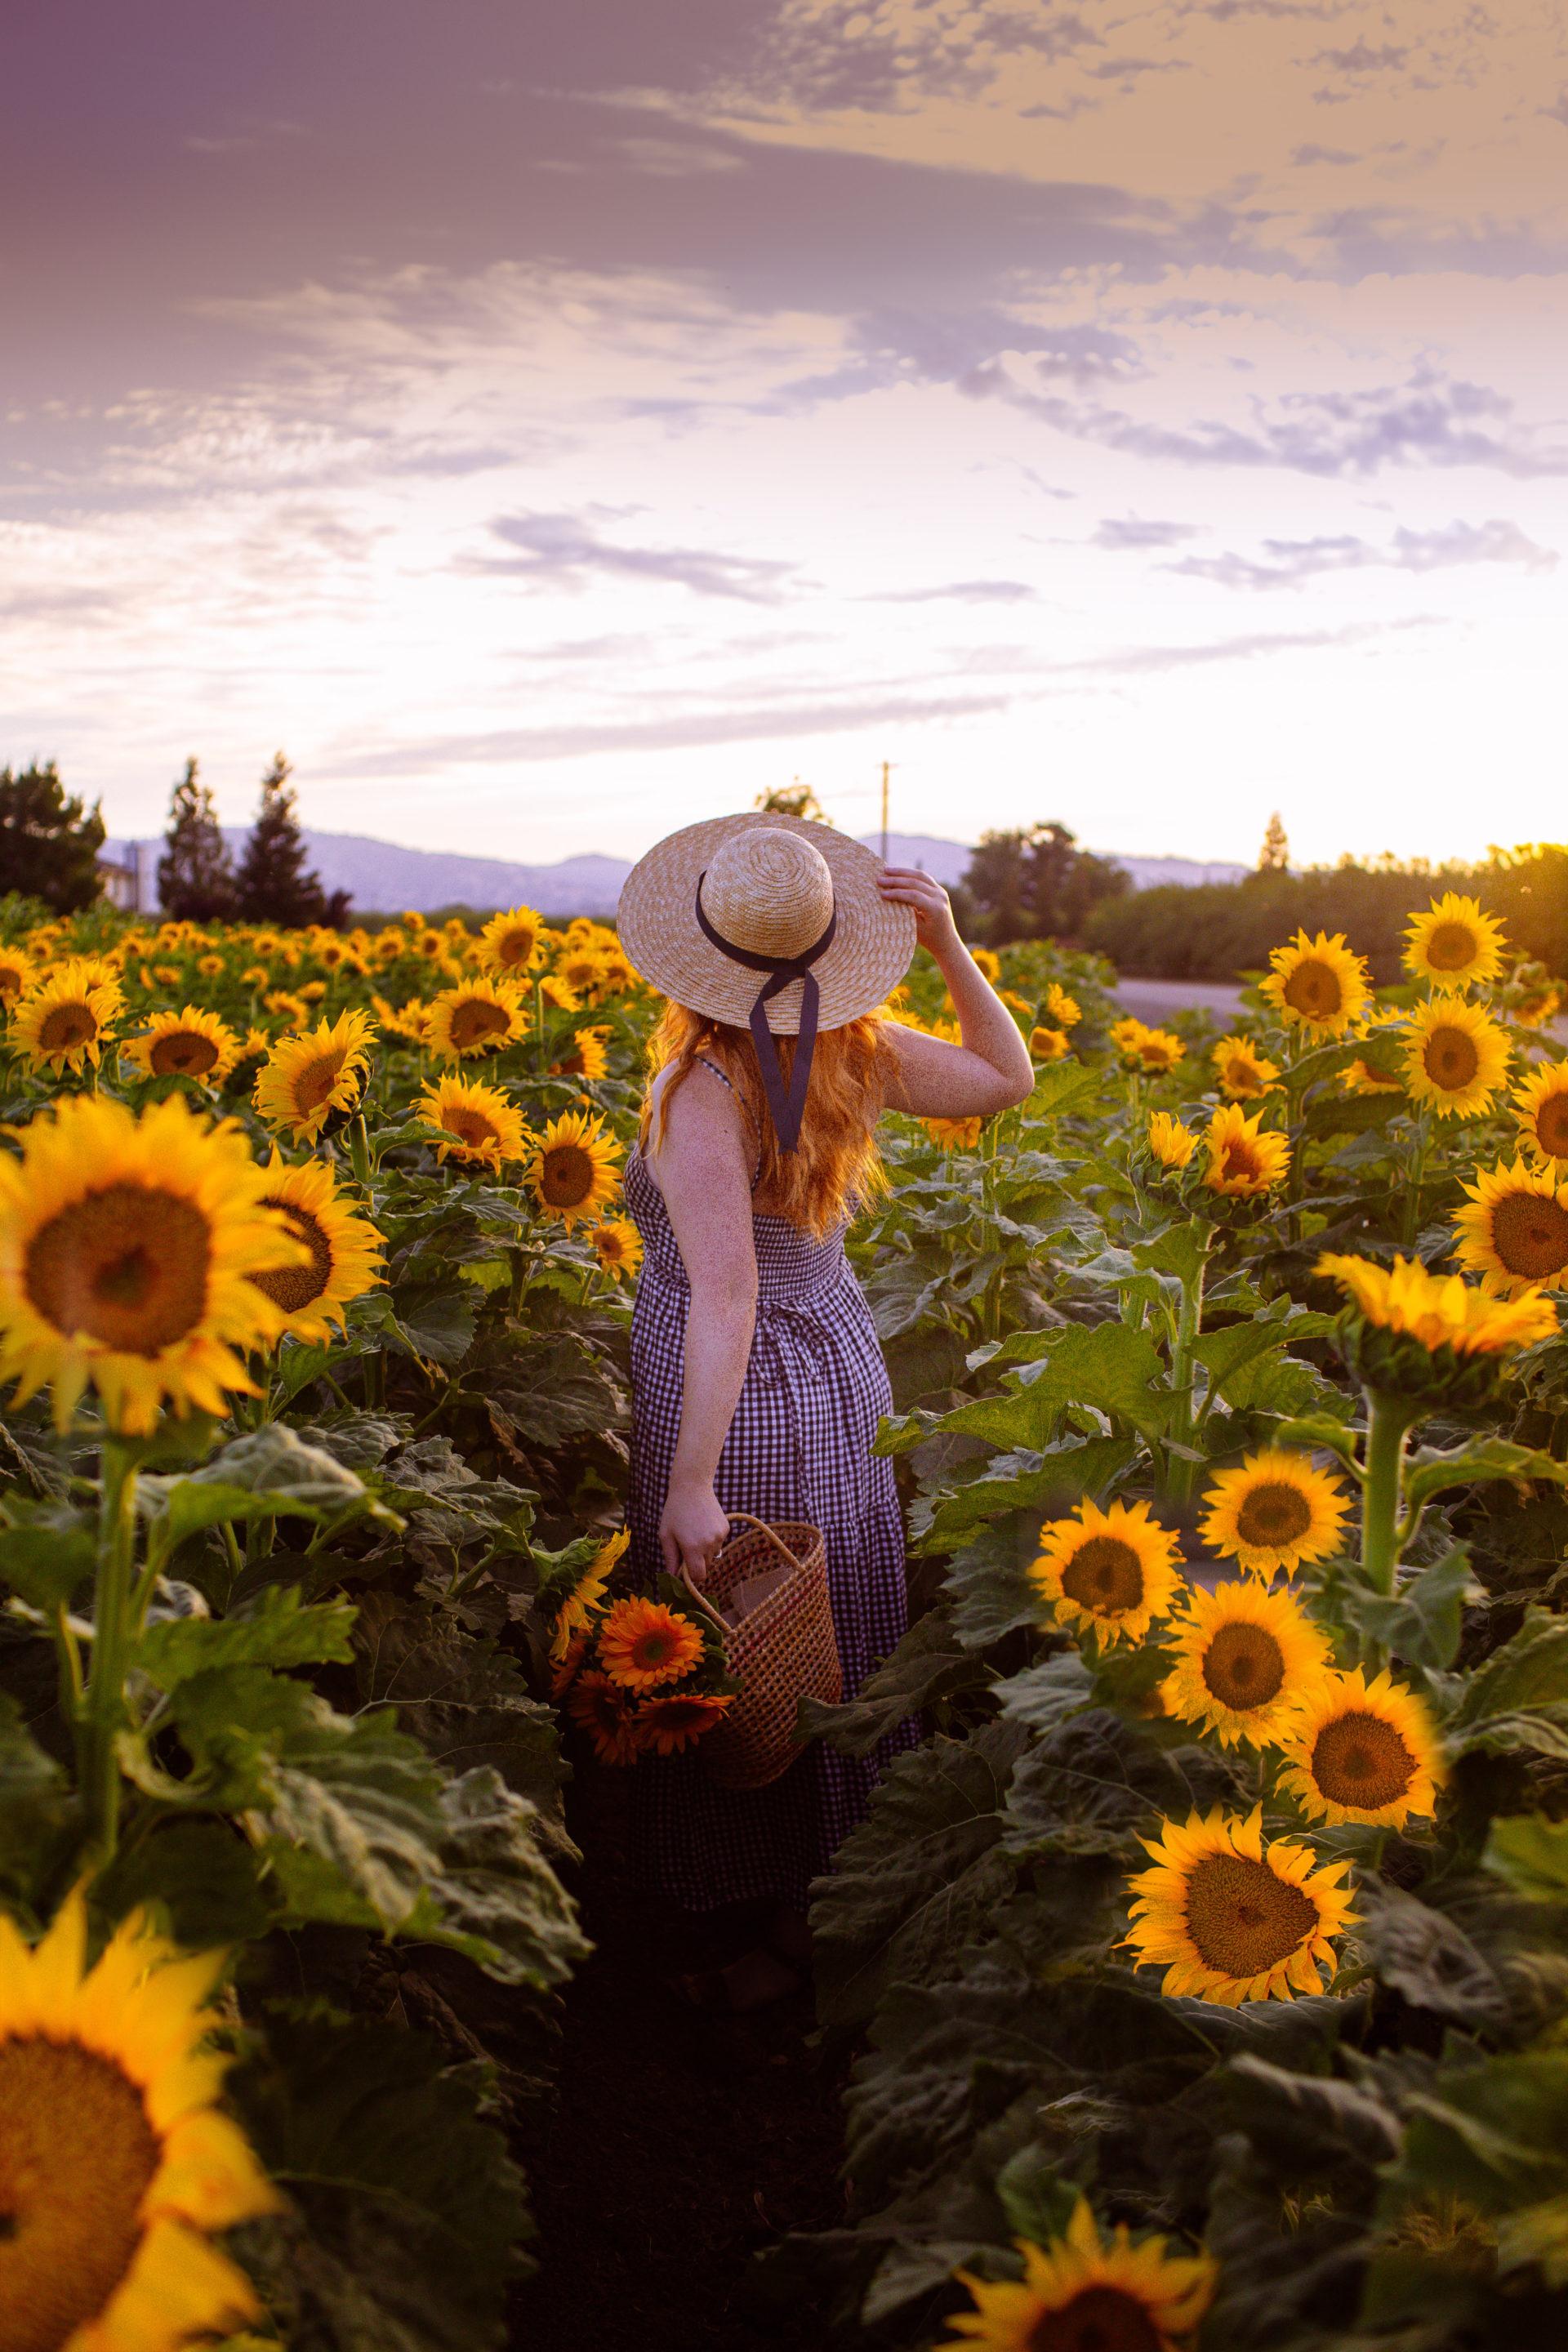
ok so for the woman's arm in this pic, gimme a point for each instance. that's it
(704, 1176)
(991, 1070)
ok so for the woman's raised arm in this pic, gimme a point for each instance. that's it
(991, 1069)
(701, 1168)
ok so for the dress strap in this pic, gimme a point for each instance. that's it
(741, 1107)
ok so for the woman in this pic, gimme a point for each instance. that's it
(757, 1379)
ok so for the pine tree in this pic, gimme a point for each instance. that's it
(196, 873)
(274, 885)
(1274, 857)
(49, 841)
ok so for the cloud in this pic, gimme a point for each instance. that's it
(1135, 660)
(563, 549)
(1312, 154)
(964, 592)
(1429, 420)
(527, 744)
(1292, 561)
(1121, 532)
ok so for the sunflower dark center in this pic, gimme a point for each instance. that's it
(67, 1025)
(127, 1264)
(77, 2156)
(1314, 989)
(316, 1083)
(475, 1020)
(1453, 947)
(1359, 1760)
(516, 947)
(1529, 1234)
(293, 1287)
(1451, 1059)
(567, 1175)
(1242, 1665)
(1239, 1164)
(477, 1132)
(1241, 1918)
(1241, 1075)
(1273, 1513)
(570, 1065)
(10, 982)
(1098, 2319)
(183, 1054)
(1105, 1575)
(1552, 1126)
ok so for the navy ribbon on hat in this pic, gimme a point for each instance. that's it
(785, 1105)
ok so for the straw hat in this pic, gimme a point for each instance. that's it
(771, 885)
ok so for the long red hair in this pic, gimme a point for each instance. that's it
(835, 1164)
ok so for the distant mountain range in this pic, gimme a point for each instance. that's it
(383, 878)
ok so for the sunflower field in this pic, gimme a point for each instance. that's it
(1205, 1972)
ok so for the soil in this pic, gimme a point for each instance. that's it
(682, 2144)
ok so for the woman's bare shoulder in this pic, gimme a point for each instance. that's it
(703, 1119)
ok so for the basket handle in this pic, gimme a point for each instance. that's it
(745, 1519)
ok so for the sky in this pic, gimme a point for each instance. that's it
(551, 424)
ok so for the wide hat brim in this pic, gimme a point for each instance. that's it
(871, 948)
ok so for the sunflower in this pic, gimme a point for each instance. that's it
(678, 1721)
(1145, 1048)
(574, 1168)
(1536, 1007)
(126, 1250)
(558, 996)
(16, 973)
(190, 1043)
(1362, 1078)
(617, 1245)
(164, 975)
(64, 1018)
(116, 2164)
(643, 1643)
(388, 945)
(583, 970)
(1318, 983)
(1064, 1010)
(476, 1017)
(1172, 1144)
(1439, 1310)
(1361, 1751)
(586, 1058)
(1110, 1570)
(1089, 2293)
(1243, 1160)
(486, 1127)
(305, 1079)
(1049, 1045)
(1243, 1071)
(1515, 1230)
(1277, 1511)
(1230, 1919)
(601, 1710)
(1456, 1057)
(954, 1134)
(1453, 945)
(345, 1249)
(255, 975)
(211, 967)
(1543, 1112)
(1244, 1654)
(585, 1602)
(509, 943)
(284, 1005)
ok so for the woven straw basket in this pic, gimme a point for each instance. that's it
(782, 1651)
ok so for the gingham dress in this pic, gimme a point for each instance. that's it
(799, 1447)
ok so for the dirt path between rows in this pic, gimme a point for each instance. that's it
(681, 2146)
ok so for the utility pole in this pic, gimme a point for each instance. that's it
(886, 766)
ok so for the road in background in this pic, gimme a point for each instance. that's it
(1153, 999)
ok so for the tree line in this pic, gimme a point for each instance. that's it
(50, 844)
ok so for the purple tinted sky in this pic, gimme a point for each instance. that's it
(553, 424)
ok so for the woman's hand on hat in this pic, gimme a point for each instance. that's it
(691, 1528)
(906, 885)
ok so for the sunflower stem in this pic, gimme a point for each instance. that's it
(1189, 1322)
(1388, 1426)
(1412, 1221)
(102, 1710)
